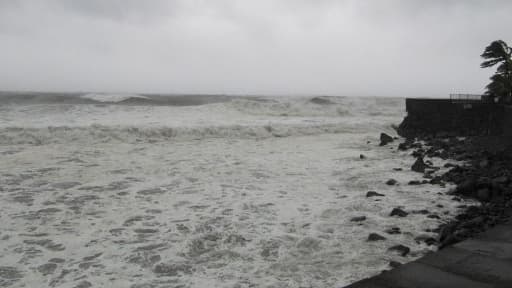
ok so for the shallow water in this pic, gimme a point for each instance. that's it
(244, 193)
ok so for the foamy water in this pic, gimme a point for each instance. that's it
(248, 192)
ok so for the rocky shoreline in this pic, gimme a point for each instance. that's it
(485, 176)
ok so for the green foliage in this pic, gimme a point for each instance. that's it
(500, 88)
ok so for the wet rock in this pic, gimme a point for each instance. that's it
(395, 264)
(483, 194)
(426, 239)
(403, 146)
(47, 268)
(385, 139)
(437, 180)
(358, 219)
(467, 188)
(419, 166)
(401, 249)
(391, 182)
(393, 231)
(501, 180)
(398, 212)
(422, 212)
(375, 237)
(373, 194)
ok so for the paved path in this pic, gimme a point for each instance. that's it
(483, 261)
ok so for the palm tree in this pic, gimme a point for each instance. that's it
(500, 88)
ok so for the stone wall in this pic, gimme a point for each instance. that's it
(434, 116)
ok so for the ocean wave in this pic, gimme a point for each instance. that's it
(115, 134)
(301, 107)
(112, 98)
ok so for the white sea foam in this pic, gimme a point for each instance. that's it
(217, 195)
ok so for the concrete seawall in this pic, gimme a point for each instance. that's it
(481, 262)
(461, 117)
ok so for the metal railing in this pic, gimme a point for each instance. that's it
(466, 97)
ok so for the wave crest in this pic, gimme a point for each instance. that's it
(111, 98)
(107, 134)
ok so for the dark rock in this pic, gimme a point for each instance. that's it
(385, 139)
(361, 156)
(436, 180)
(483, 194)
(375, 237)
(419, 166)
(391, 182)
(398, 169)
(401, 249)
(373, 194)
(358, 219)
(418, 153)
(433, 216)
(449, 165)
(484, 163)
(395, 264)
(393, 231)
(501, 180)
(426, 239)
(398, 212)
(414, 182)
(403, 146)
(446, 230)
(476, 222)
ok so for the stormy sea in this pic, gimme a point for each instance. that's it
(132, 190)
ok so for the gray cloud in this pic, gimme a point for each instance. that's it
(352, 47)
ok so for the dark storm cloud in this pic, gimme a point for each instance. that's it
(351, 47)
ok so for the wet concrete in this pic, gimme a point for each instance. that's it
(483, 261)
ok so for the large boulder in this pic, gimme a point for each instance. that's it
(375, 237)
(419, 165)
(385, 139)
(373, 194)
(398, 212)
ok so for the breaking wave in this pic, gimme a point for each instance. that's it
(112, 98)
(107, 134)
(317, 106)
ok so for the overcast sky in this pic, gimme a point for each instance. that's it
(344, 47)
